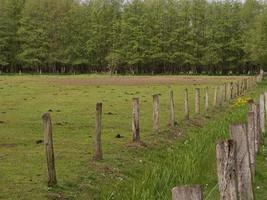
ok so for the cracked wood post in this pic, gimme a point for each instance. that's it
(49, 149)
(172, 115)
(215, 97)
(251, 140)
(187, 192)
(135, 120)
(221, 97)
(207, 99)
(244, 178)
(156, 113)
(237, 89)
(262, 114)
(229, 92)
(98, 146)
(227, 169)
(186, 104)
(197, 100)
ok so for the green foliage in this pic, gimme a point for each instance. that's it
(133, 36)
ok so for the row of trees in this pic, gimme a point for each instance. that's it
(137, 36)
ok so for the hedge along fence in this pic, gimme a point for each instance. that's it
(222, 95)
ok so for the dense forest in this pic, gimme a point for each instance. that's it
(133, 36)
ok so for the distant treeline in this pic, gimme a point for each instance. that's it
(137, 36)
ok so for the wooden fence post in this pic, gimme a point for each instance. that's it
(244, 177)
(135, 120)
(225, 91)
(262, 114)
(197, 100)
(172, 115)
(229, 91)
(265, 103)
(186, 104)
(49, 149)
(207, 99)
(255, 109)
(156, 112)
(221, 97)
(227, 169)
(251, 140)
(187, 193)
(98, 146)
(215, 97)
(237, 89)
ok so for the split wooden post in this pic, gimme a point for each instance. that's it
(251, 140)
(172, 115)
(231, 90)
(227, 169)
(215, 97)
(237, 89)
(197, 100)
(98, 146)
(156, 112)
(49, 149)
(207, 99)
(244, 177)
(187, 193)
(135, 120)
(186, 104)
(262, 114)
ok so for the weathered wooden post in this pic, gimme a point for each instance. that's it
(215, 97)
(98, 146)
(49, 149)
(246, 83)
(186, 104)
(227, 169)
(255, 109)
(229, 91)
(225, 91)
(262, 114)
(172, 115)
(187, 192)
(135, 120)
(251, 140)
(197, 100)
(244, 177)
(237, 89)
(265, 103)
(207, 99)
(156, 112)
(221, 97)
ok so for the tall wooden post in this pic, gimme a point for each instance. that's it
(225, 91)
(251, 140)
(215, 97)
(207, 99)
(186, 104)
(156, 113)
(265, 103)
(187, 192)
(244, 177)
(98, 146)
(255, 109)
(172, 115)
(262, 114)
(135, 120)
(221, 97)
(227, 169)
(197, 100)
(237, 89)
(49, 149)
(229, 92)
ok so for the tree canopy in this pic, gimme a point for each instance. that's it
(137, 36)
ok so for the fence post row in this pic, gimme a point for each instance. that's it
(98, 146)
(187, 193)
(135, 120)
(49, 149)
(156, 112)
(239, 135)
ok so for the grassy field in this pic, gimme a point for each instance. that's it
(183, 155)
